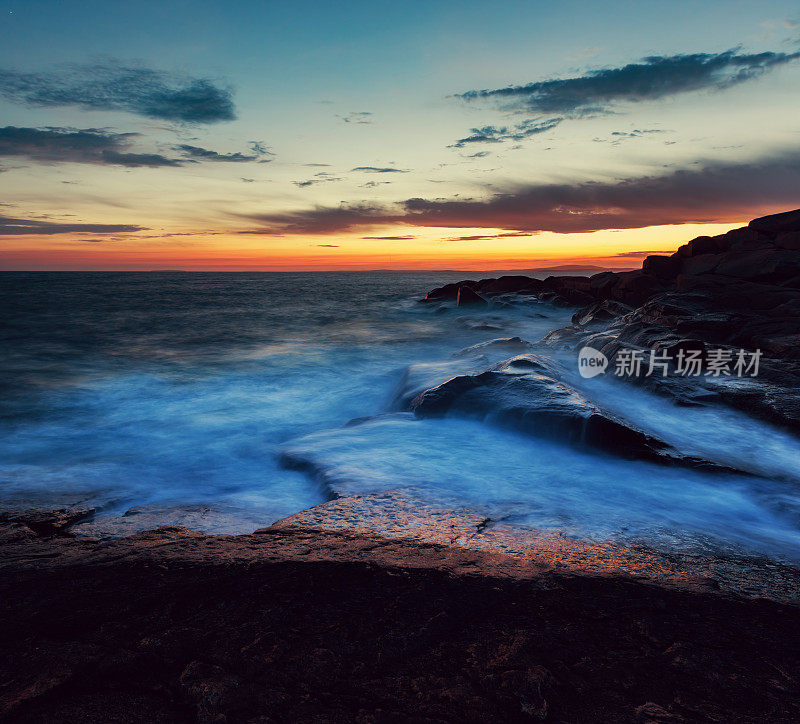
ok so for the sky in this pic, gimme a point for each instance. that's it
(389, 135)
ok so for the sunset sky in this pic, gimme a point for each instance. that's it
(389, 135)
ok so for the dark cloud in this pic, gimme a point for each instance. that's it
(115, 87)
(362, 118)
(483, 237)
(378, 169)
(704, 193)
(636, 132)
(329, 246)
(204, 154)
(498, 134)
(374, 184)
(71, 145)
(644, 253)
(389, 238)
(319, 178)
(259, 149)
(319, 220)
(21, 227)
(653, 78)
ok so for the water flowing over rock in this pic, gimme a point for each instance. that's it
(525, 393)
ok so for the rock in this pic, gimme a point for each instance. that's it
(636, 287)
(768, 265)
(561, 283)
(509, 284)
(52, 522)
(555, 298)
(737, 238)
(600, 285)
(525, 394)
(210, 690)
(565, 337)
(651, 713)
(509, 344)
(469, 297)
(701, 264)
(506, 284)
(448, 291)
(789, 240)
(665, 267)
(702, 245)
(603, 311)
(777, 223)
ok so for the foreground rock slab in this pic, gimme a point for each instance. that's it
(295, 625)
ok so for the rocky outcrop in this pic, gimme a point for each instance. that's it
(738, 290)
(468, 297)
(308, 625)
(527, 394)
(48, 522)
(486, 287)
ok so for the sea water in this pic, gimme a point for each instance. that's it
(135, 389)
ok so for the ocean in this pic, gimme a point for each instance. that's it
(122, 390)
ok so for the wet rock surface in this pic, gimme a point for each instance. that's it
(526, 393)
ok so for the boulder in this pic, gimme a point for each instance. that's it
(46, 522)
(509, 344)
(448, 291)
(468, 297)
(565, 337)
(600, 285)
(789, 240)
(524, 393)
(635, 287)
(603, 311)
(769, 265)
(702, 245)
(776, 224)
(665, 267)
(509, 284)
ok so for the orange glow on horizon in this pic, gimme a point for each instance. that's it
(427, 249)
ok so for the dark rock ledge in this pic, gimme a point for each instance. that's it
(738, 290)
(293, 624)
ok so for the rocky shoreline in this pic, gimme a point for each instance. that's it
(380, 608)
(732, 292)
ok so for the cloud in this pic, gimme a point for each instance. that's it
(483, 237)
(498, 134)
(373, 184)
(653, 78)
(635, 254)
(329, 246)
(319, 178)
(21, 227)
(389, 238)
(204, 154)
(378, 169)
(71, 145)
(112, 86)
(259, 149)
(708, 192)
(636, 132)
(358, 117)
